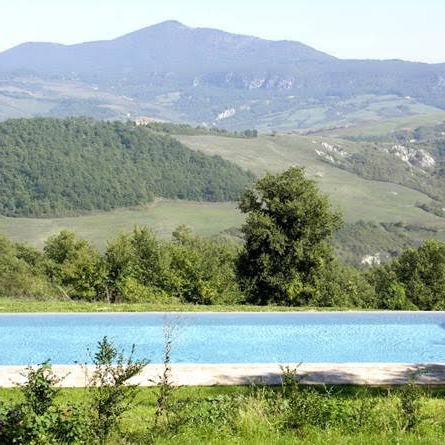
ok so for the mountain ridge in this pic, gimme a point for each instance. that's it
(165, 35)
(205, 76)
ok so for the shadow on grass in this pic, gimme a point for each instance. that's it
(370, 374)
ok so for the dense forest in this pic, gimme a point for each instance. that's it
(60, 167)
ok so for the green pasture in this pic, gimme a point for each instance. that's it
(358, 198)
(164, 216)
(354, 112)
(388, 126)
(242, 415)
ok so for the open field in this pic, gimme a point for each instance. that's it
(387, 126)
(285, 116)
(357, 198)
(164, 216)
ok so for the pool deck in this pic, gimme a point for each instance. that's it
(241, 374)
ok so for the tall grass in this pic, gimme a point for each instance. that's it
(112, 412)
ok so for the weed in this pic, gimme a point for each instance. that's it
(112, 394)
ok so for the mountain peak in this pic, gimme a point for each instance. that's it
(169, 25)
(173, 23)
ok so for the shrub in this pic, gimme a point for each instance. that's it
(39, 420)
(112, 394)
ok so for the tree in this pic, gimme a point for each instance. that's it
(285, 234)
(202, 269)
(74, 265)
(422, 273)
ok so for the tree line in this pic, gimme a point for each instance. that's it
(188, 130)
(56, 167)
(286, 259)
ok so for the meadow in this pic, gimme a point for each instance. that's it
(163, 216)
(357, 198)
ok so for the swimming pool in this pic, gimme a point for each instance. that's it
(229, 337)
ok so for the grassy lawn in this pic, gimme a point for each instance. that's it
(11, 305)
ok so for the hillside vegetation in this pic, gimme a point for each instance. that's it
(385, 201)
(387, 179)
(57, 167)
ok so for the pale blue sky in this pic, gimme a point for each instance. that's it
(381, 29)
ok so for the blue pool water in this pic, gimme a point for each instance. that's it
(229, 337)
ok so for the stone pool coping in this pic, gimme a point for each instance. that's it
(241, 374)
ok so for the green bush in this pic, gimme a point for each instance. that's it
(39, 420)
(111, 392)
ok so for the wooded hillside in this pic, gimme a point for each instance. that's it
(60, 167)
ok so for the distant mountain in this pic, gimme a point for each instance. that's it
(167, 48)
(173, 72)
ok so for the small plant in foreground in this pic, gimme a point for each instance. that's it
(163, 421)
(40, 389)
(410, 396)
(39, 420)
(112, 394)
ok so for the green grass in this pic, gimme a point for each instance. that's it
(13, 305)
(164, 216)
(357, 198)
(388, 126)
(255, 422)
(284, 114)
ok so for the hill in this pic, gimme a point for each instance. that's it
(172, 72)
(382, 216)
(52, 167)
(388, 181)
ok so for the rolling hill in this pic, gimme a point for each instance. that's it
(382, 217)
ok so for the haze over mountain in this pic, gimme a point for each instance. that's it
(173, 72)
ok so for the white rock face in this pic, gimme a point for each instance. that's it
(425, 159)
(371, 260)
(226, 114)
(256, 83)
(330, 151)
(413, 156)
(286, 84)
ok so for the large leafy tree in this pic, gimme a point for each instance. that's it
(74, 266)
(288, 224)
(421, 272)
